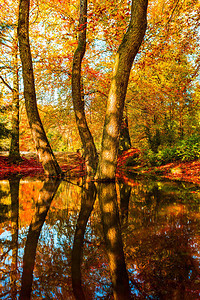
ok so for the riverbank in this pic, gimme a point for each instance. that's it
(178, 170)
(73, 164)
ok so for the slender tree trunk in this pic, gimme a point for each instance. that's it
(90, 152)
(115, 104)
(124, 139)
(43, 147)
(14, 153)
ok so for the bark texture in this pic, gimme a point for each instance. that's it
(90, 153)
(115, 105)
(43, 147)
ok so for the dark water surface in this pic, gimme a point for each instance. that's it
(76, 240)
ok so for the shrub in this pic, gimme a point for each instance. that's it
(185, 150)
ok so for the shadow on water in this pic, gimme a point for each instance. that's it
(138, 241)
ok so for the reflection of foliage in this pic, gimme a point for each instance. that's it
(164, 261)
(3, 193)
(4, 207)
(161, 239)
(28, 194)
(52, 266)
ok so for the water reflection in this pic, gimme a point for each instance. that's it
(42, 206)
(14, 192)
(113, 239)
(140, 241)
(88, 196)
(125, 192)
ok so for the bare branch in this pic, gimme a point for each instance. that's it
(8, 86)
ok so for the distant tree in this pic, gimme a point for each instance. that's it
(14, 153)
(11, 43)
(4, 131)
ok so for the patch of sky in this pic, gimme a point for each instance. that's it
(101, 54)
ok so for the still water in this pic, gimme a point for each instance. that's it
(76, 240)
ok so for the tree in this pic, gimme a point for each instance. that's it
(124, 139)
(43, 147)
(14, 153)
(115, 104)
(12, 46)
(4, 131)
(78, 95)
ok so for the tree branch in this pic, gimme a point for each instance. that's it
(8, 86)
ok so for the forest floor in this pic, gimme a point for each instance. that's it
(73, 165)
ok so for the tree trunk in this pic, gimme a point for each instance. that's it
(43, 147)
(14, 153)
(115, 105)
(124, 139)
(90, 153)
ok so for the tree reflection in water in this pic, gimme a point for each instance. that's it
(112, 235)
(88, 197)
(46, 196)
(125, 192)
(14, 192)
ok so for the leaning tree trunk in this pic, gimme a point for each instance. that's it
(90, 152)
(14, 153)
(43, 147)
(115, 104)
